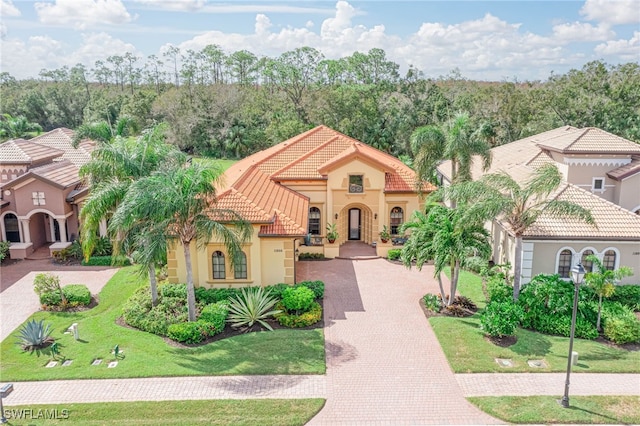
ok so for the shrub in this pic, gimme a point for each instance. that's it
(316, 286)
(303, 256)
(215, 314)
(464, 302)
(46, 282)
(174, 290)
(103, 247)
(500, 318)
(432, 302)
(4, 250)
(455, 311)
(213, 295)
(106, 261)
(628, 295)
(394, 254)
(51, 298)
(622, 329)
(74, 251)
(312, 316)
(185, 332)
(476, 264)
(254, 305)
(77, 294)
(497, 290)
(298, 299)
(139, 313)
(35, 334)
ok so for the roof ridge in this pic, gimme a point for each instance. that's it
(291, 142)
(607, 202)
(305, 156)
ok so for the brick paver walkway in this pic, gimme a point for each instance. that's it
(384, 364)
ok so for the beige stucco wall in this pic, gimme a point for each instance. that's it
(627, 193)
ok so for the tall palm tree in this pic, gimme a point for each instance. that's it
(444, 235)
(105, 132)
(113, 168)
(457, 141)
(17, 127)
(182, 199)
(499, 195)
(603, 280)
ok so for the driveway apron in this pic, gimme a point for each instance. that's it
(384, 363)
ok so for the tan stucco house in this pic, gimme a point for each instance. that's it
(40, 191)
(602, 174)
(290, 192)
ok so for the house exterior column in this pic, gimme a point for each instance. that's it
(103, 228)
(62, 223)
(52, 229)
(3, 234)
(26, 234)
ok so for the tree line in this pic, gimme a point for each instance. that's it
(232, 105)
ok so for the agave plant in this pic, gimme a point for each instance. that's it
(35, 334)
(252, 306)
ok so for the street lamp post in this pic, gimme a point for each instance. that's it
(577, 274)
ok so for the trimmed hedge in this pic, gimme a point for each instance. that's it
(501, 318)
(139, 313)
(298, 299)
(215, 314)
(76, 295)
(106, 261)
(628, 295)
(312, 316)
(394, 254)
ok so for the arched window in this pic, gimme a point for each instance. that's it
(396, 219)
(218, 266)
(314, 221)
(609, 260)
(240, 266)
(587, 264)
(11, 228)
(564, 263)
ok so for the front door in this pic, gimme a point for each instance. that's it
(354, 224)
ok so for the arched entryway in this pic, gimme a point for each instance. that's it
(356, 223)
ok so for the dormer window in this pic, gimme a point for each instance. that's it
(356, 184)
(597, 185)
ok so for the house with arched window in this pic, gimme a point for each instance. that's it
(40, 191)
(291, 192)
(601, 173)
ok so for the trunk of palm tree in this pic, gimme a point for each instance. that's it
(153, 284)
(442, 295)
(454, 282)
(599, 310)
(191, 295)
(517, 268)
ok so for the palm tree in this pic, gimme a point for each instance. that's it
(113, 168)
(603, 280)
(444, 235)
(499, 195)
(103, 131)
(182, 199)
(456, 141)
(17, 127)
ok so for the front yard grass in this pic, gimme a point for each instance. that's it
(468, 351)
(264, 412)
(149, 355)
(546, 410)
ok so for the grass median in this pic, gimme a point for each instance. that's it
(148, 355)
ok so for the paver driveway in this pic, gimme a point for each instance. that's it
(384, 363)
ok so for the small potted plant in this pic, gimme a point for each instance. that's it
(384, 234)
(332, 232)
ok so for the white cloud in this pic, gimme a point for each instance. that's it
(613, 12)
(7, 9)
(581, 32)
(625, 49)
(175, 5)
(83, 13)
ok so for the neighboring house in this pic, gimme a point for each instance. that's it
(602, 174)
(290, 192)
(40, 191)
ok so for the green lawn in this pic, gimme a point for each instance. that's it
(262, 412)
(546, 410)
(468, 351)
(148, 355)
(223, 164)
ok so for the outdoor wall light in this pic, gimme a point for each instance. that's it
(336, 216)
(375, 215)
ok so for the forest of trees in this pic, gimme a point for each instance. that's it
(231, 105)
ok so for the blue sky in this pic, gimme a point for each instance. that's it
(485, 40)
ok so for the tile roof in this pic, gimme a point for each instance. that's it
(612, 221)
(627, 170)
(62, 174)
(590, 141)
(62, 139)
(252, 186)
(20, 151)
(520, 158)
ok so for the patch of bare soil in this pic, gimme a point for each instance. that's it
(504, 341)
(624, 346)
(231, 331)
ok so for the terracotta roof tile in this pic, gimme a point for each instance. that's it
(627, 170)
(251, 185)
(20, 151)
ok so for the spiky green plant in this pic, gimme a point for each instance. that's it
(34, 335)
(254, 305)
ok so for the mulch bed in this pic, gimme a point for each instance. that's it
(231, 331)
(503, 342)
(80, 308)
